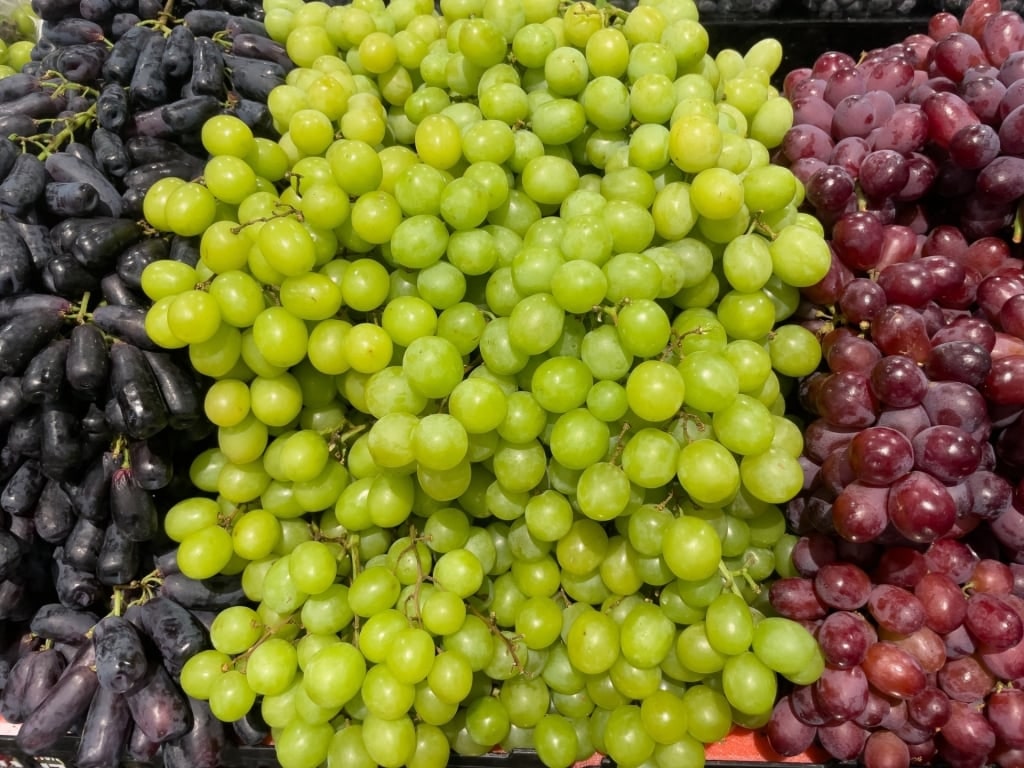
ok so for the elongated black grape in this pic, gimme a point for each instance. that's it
(67, 701)
(63, 275)
(70, 198)
(176, 632)
(112, 107)
(13, 601)
(32, 676)
(167, 563)
(21, 493)
(91, 494)
(203, 745)
(11, 551)
(207, 68)
(238, 25)
(16, 268)
(121, 663)
(43, 377)
(137, 392)
(178, 387)
(143, 150)
(78, 589)
(176, 60)
(54, 621)
(151, 464)
(119, 558)
(71, 31)
(110, 153)
(124, 55)
(96, 10)
(12, 698)
(25, 334)
(144, 176)
(23, 433)
(96, 433)
(261, 47)
(98, 244)
(204, 21)
(250, 730)
(208, 595)
(159, 708)
(38, 105)
(60, 445)
(79, 63)
(124, 20)
(37, 238)
(253, 78)
(66, 231)
(54, 516)
(88, 365)
(140, 748)
(12, 401)
(147, 87)
(188, 114)
(253, 113)
(105, 731)
(23, 184)
(55, 10)
(132, 508)
(127, 323)
(115, 291)
(82, 547)
(64, 167)
(82, 151)
(18, 125)
(134, 259)
(9, 151)
(17, 85)
(32, 302)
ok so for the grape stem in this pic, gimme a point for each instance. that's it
(620, 444)
(288, 211)
(492, 625)
(1018, 224)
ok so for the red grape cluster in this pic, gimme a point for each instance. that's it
(912, 517)
(923, 131)
(923, 651)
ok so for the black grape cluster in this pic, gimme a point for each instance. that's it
(97, 424)
(856, 9)
(113, 680)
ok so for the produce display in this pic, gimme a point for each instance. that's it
(389, 382)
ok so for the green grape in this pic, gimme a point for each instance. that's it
(231, 697)
(203, 553)
(200, 672)
(334, 675)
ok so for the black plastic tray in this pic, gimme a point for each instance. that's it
(804, 39)
(62, 755)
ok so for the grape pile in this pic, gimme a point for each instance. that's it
(908, 565)
(500, 452)
(99, 423)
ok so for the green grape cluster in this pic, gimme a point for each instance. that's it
(497, 334)
(19, 28)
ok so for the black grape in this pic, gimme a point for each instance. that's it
(16, 268)
(105, 731)
(43, 377)
(121, 663)
(88, 365)
(54, 621)
(21, 493)
(66, 702)
(119, 558)
(159, 708)
(132, 508)
(203, 745)
(127, 323)
(54, 515)
(24, 182)
(176, 632)
(82, 547)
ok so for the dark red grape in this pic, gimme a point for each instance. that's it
(786, 734)
(842, 586)
(860, 512)
(841, 693)
(965, 680)
(1005, 712)
(897, 381)
(846, 400)
(920, 508)
(993, 622)
(893, 671)
(796, 599)
(884, 749)
(901, 330)
(844, 741)
(844, 637)
(1004, 384)
(963, 361)
(895, 609)
(945, 604)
